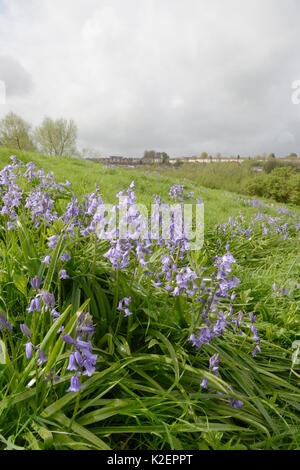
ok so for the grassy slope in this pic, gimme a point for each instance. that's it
(276, 262)
(85, 174)
(259, 264)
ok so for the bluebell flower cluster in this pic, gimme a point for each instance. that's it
(177, 192)
(124, 306)
(238, 228)
(211, 289)
(4, 323)
(81, 359)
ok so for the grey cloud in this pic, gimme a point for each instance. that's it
(181, 77)
(17, 80)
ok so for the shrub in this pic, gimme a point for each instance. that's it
(282, 184)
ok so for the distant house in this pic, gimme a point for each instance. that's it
(204, 160)
(117, 160)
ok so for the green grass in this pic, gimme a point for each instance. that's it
(145, 393)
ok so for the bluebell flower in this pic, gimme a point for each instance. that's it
(52, 241)
(42, 357)
(72, 363)
(123, 306)
(236, 403)
(25, 330)
(28, 349)
(48, 299)
(4, 323)
(35, 305)
(65, 257)
(35, 283)
(204, 382)
(75, 384)
(63, 274)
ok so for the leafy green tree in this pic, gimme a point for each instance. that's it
(166, 158)
(292, 155)
(152, 155)
(149, 155)
(270, 164)
(16, 133)
(57, 137)
(178, 163)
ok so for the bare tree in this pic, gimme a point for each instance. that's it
(57, 137)
(16, 133)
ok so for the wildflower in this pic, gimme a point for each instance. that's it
(256, 348)
(82, 358)
(252, 317)
(205, 337)
(213, 367)
(4, 323)
(284, 291)
(55, 314)
(65, 257)
(48, 299)
(177, 192)
(68, 339)
(42, 358)
(46, 260)
(35, 305)
(255, 334)
(35, 283)
(126, 301)
(25, 330)
(214, 364)
(63, 274)
(75, 384)
(72, 363)
(28, 349)
(52, 241)
(236, 403)
(204, 382)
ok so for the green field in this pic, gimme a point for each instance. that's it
(146, 391)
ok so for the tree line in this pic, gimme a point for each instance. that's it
(53, 137)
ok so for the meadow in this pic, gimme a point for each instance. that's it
(278, 179)
(140, 345)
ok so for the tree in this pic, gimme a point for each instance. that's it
(177, 163)
(149, 155)
(153, 156)
(16, 133)
(292, 155)
(57, 137)
(166, 158)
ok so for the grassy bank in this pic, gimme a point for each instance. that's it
(147, 390)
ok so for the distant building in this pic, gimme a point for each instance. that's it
(118, 160)
(157, 158)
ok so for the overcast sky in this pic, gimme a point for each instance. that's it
(181, 76)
